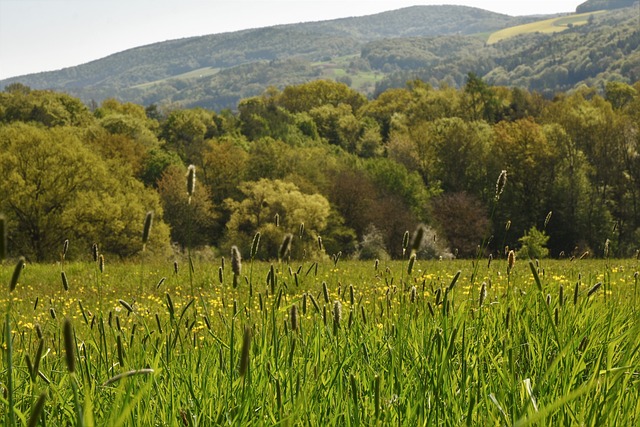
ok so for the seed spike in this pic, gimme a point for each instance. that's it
(191, 181)
(69, 346)
(16, 274)
(148, 221)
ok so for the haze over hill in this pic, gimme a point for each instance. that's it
(434, 43)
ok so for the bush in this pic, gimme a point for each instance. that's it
(534, 244)
(372, 245)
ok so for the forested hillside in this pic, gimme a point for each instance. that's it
(593, 5)
(340, 173)
(438, 44)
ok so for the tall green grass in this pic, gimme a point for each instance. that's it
(388, 344)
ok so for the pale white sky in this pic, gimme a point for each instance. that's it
(45, 35)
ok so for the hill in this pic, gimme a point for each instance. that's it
(369, 53)
(593, 5)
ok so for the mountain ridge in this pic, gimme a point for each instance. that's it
(199, 70)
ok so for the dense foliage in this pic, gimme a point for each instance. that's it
(354, 173)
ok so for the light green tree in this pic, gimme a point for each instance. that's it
(534, 244)
(54, 187)
(263, 201)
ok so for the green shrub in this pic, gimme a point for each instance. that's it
(534, 244)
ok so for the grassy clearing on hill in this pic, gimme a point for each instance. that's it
(553, 25)
(450, 342)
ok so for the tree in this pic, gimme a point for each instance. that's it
(185, 132)
(464, 222)
(41, 106)
(192, 223)
(534, 244)
(462, 156)
(385, 106)
(262, 117)
(337, 125)
(55, 188)
(224, 167)
(317, 93)
(522, 148)
(481, 100)
(263, 200)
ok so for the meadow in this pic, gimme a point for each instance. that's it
(545, 26)
(334, 342)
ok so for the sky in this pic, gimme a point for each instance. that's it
(46, 35)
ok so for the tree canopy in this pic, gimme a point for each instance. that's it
(336, 171)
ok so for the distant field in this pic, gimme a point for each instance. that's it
(193, 74)
(363, 81)
(553, 25)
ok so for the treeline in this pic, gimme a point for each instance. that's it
(336, 172)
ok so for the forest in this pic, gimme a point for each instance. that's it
(336, 172)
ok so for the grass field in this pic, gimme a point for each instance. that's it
(553, 25)
(305, 343)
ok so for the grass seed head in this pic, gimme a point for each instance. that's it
(405, 241)
(65, 282)
(304, 303)
(16, 274)
(412, 261)
(500, 184)
(148, 221)
(236, 261)
(37, 410)
(69, 346)
(94, 252)
(594, 289)
(255, 244)
(65, 248)
(511, 261)
(547, 219)
(418, 237)
(337, 314)
(285, 248)
(191, 181)
(294, 317)
(325, 292)
(126, 305)
(483, 294)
